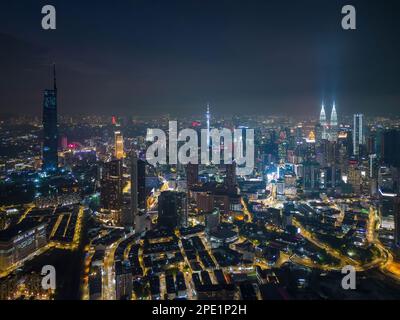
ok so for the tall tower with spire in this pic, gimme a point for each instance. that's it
(333, 132)
(322, 116)
(323, 122)
(334, 120)
(208, 119)
(50, 127)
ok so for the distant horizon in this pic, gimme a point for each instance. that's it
(197, 115)
(173, 57)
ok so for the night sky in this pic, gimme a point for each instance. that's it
(144, 57)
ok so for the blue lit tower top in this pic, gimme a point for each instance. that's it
(322, 116)
(334, 120)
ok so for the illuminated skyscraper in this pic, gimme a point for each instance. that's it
(138, 191)
(372, 157)
(355, 178)
(119, 145)
(208, 119)
(323, 122)
(334, 120)
(333, 130)
(111, 186)
(358, 133)
(318, 133)
(50, 129)
(138, 183)
(322, 116)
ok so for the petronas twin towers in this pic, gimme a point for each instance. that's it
(322, 117)
(329, 131)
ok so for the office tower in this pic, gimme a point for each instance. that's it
(318, 134)
(358, 133)
(372, 171)
(138, 190)
(212, 220)
(328, 153)
(172, 210)
(119, 145)
(299, 134)
(354, 179)
(334, 120)
(311, 177)
(330, 177)
(333, 130)
(111, 186)
(391, 148)
(50, 129)
(397, 222)
(322, 116)
(323, 122)
(127, 219)
(192, 175)
(379, 142)
(280, 189)
(370, 144)
(230, 176)
(282, 150)
(387, 180)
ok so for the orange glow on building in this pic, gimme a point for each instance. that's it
(119, 145)
(311, 137)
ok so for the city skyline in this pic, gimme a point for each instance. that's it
(280, 182)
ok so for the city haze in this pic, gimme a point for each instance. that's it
(258, 57)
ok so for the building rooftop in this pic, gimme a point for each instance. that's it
(13, 231)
